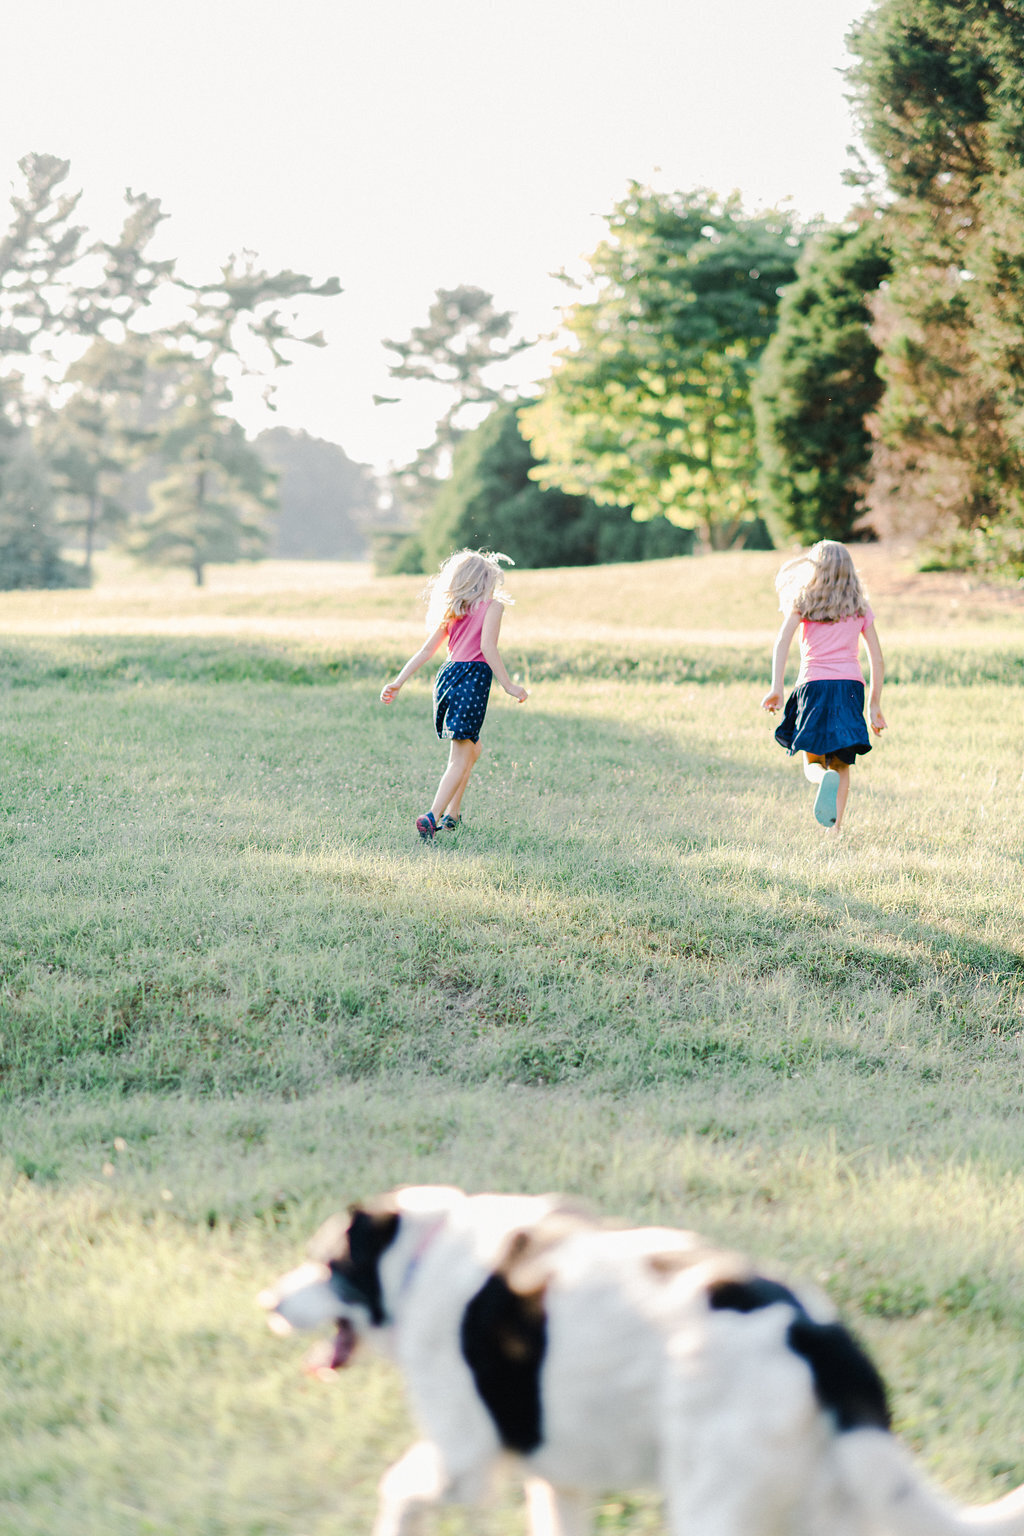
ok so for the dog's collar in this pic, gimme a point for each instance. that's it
(416, 1257)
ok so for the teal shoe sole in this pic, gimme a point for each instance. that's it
(825, 801)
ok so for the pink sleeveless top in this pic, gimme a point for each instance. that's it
(464, 634)
(829, 652)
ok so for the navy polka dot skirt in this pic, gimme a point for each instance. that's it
(461, 691)
(826, 719)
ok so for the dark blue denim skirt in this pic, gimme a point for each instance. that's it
(461, 691)
(825, 719)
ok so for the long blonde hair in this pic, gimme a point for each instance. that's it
(464, 580)
(822, 584)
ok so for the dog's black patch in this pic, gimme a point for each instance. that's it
(846, 1381)
(749, 1295)
(504, 1327)
(352, 1249)
(504, 1337)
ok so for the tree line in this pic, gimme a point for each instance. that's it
(117, 377)
(727, 377)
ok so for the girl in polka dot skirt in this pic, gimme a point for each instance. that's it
(464, 608)
(821, 595)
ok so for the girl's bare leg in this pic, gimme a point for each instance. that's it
(843, 792)
(454, 804)
(461, 757)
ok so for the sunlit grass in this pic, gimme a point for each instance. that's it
(236, 991)
(143, 1389)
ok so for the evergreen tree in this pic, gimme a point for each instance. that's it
(29, 543)
(817, 384)
(463, 339)
(493, 501)
(136, 390)
(38, 251)
(650, 407)
(940, 90)
(92, 439)
(212, 502)
(325, 501)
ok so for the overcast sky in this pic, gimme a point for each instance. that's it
(407, 145)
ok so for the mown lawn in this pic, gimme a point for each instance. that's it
(235, 992)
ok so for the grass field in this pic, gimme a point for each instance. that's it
(235, 992)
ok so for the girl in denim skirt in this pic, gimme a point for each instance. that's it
(821, 595)
(465, 608)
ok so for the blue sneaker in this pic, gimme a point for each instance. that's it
(825, 800)
(426, 826)
(448, 823)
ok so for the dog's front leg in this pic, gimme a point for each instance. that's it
(416, 1482)
(554, 1511)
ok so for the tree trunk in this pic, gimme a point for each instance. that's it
(92, 517)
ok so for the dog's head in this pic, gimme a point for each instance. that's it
(359, 1267)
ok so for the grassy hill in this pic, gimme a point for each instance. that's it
(235, 992)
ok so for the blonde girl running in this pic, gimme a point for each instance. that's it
(821, 595)
(464, 608)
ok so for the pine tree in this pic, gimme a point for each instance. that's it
(818, 384)
(29, 543)
(38, 253)
(213, 500)
(940, 90)
(464, 338)
(211, 503)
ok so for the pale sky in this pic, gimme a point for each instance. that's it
(407, 145)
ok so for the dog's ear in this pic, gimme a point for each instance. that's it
(355, 1271)
(371, 1229)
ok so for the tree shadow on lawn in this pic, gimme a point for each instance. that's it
(651, 826)
(633, 927)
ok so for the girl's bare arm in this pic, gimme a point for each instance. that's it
(414, 663)
(877, 664)
(773, 698)
(489, 647)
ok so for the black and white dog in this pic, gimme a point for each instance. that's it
(598, 1358)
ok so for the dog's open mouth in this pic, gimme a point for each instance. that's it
(332, 1354)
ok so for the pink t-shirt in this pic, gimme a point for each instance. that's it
(829, 652)
(464, 633)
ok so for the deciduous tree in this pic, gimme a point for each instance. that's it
(492, 501)
(649, 406)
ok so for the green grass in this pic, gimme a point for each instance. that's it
(235, 991)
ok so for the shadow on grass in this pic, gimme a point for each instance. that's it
(193, 898)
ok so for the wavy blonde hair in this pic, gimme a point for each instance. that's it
(822, 584)
(465, 579)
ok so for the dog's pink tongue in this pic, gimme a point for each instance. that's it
(344, 1344)
(330, 1355)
